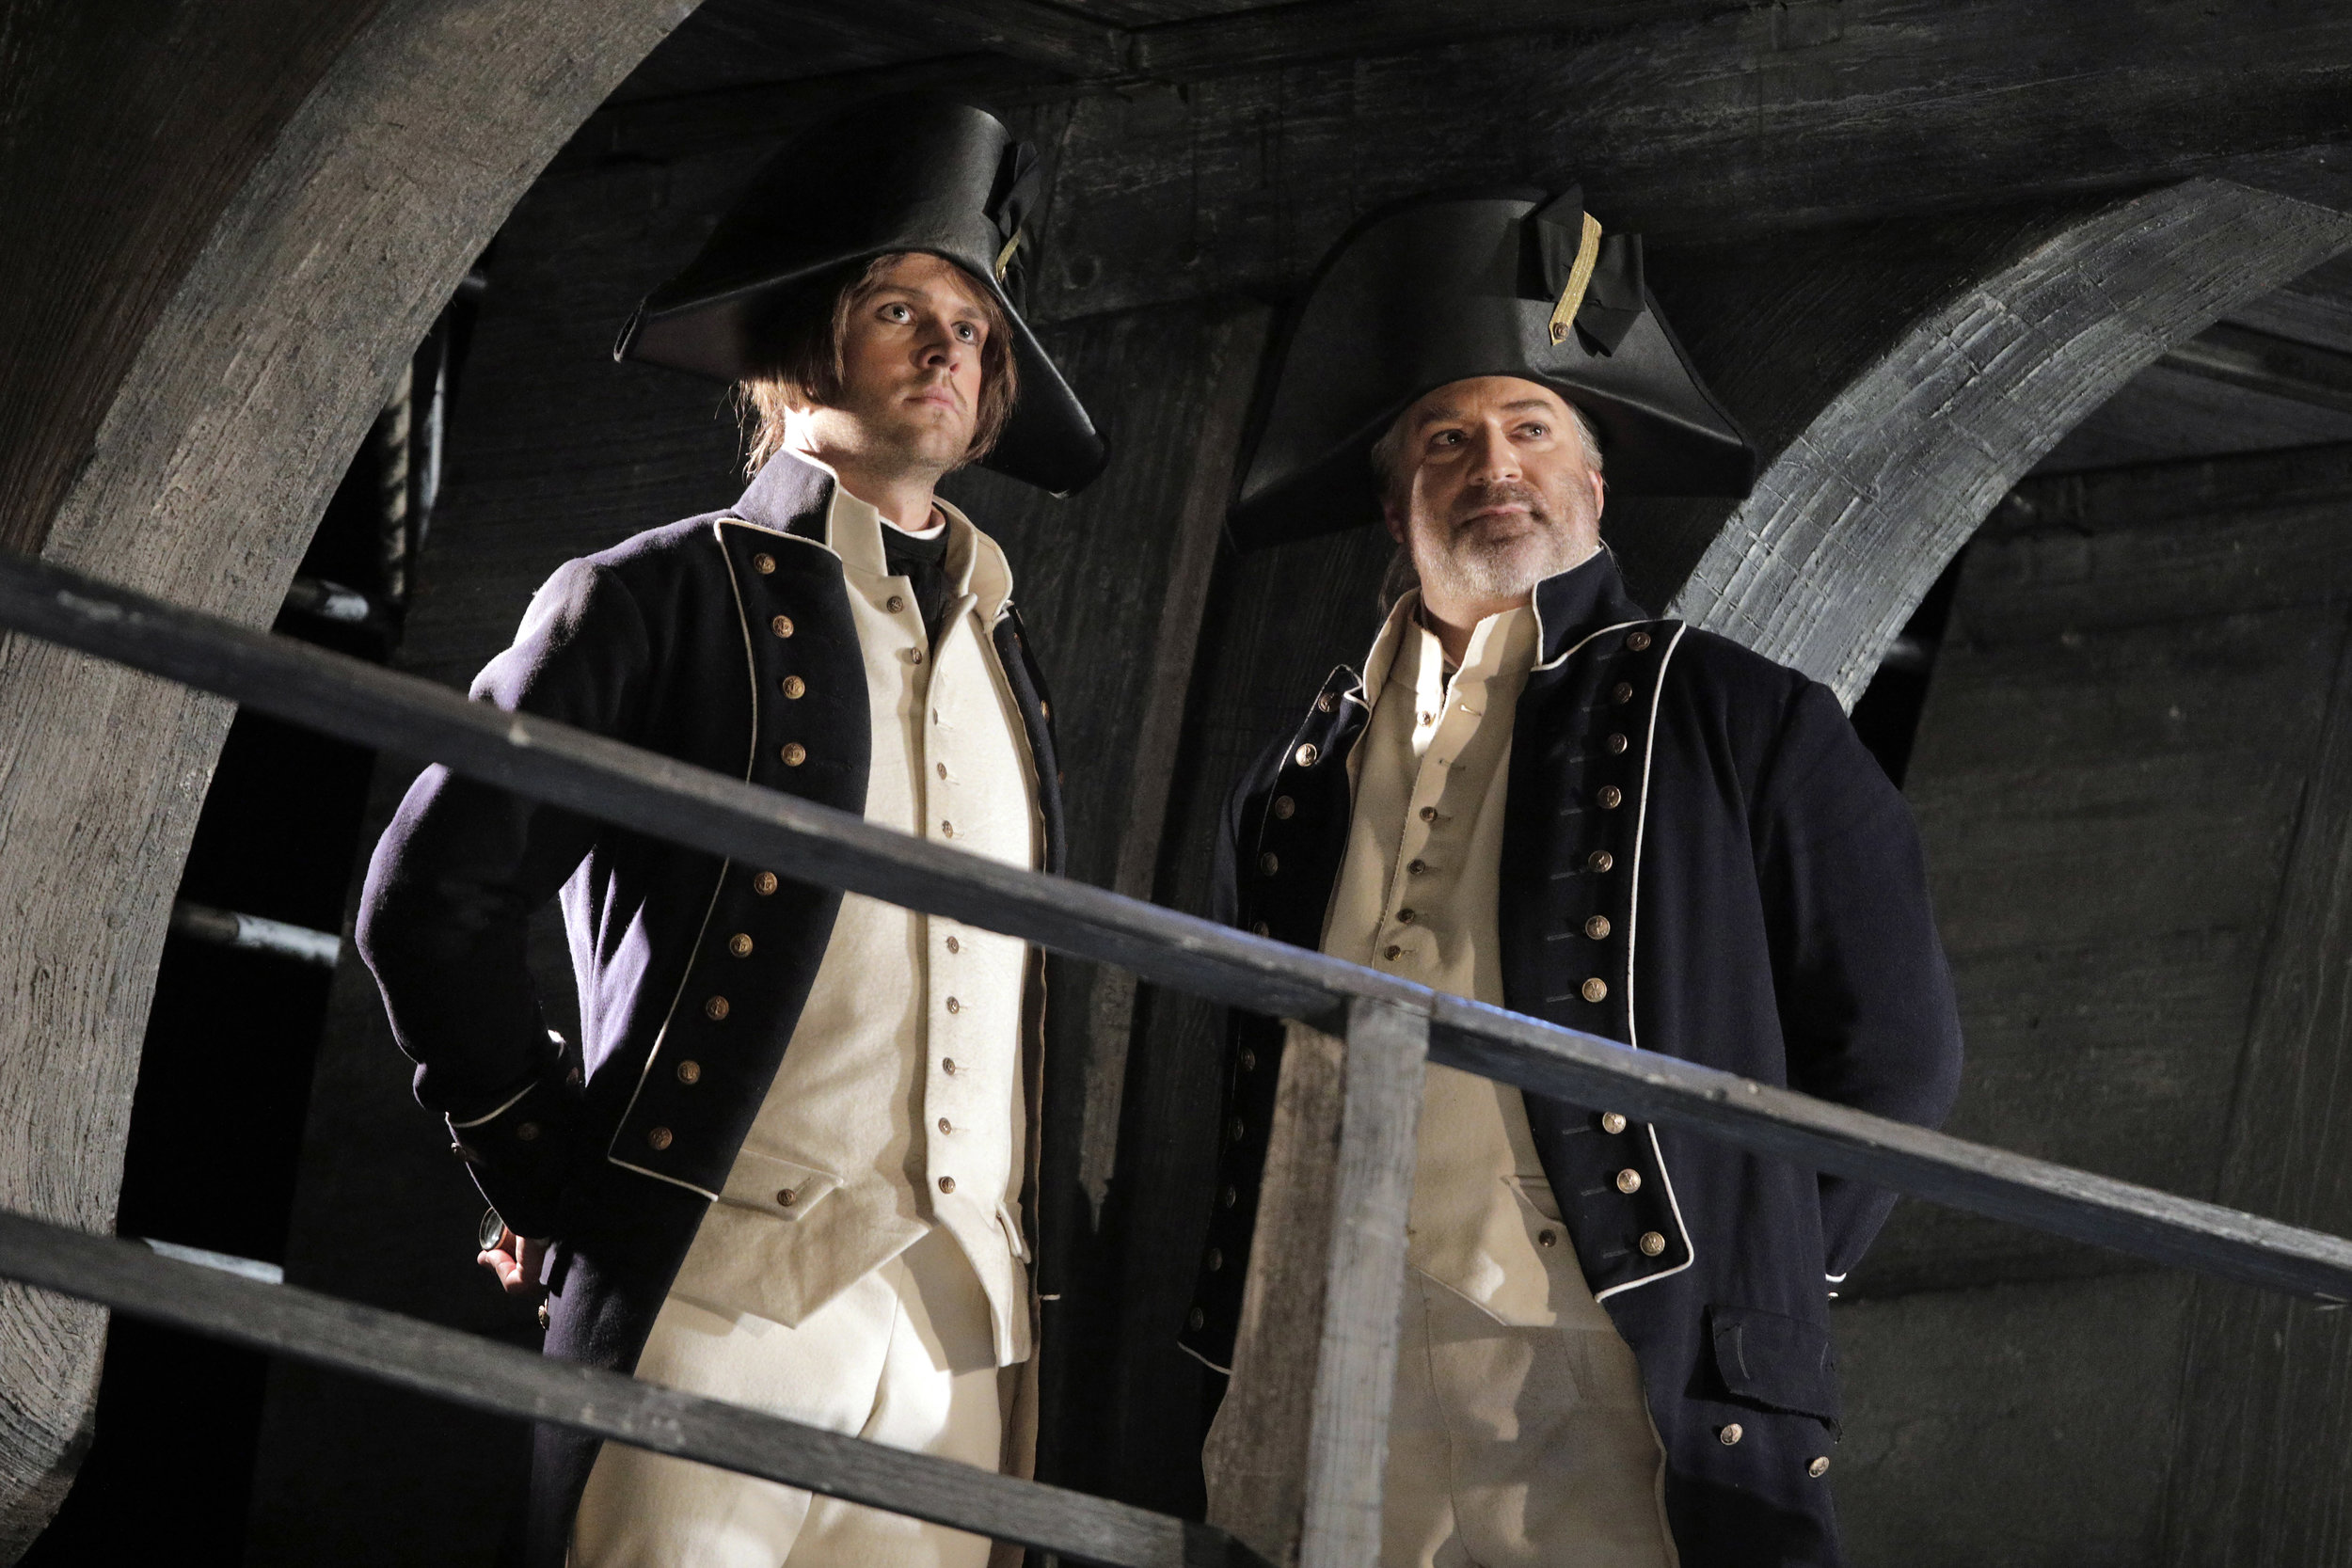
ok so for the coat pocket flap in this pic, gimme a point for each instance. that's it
(1779, 1362)
(773, 1185)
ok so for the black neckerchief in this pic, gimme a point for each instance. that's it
(924, 563)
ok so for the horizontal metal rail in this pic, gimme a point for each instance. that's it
(642, 790)
(506, 1380)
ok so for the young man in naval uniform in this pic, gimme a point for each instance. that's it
(1615, 1345)
(785, 1165)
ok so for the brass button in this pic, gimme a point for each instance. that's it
(527, 1131)
(1416, 867)
(1594, 989)
(1405, 917)
(1393, 953)
(954, 946)
(1599, 860)
(1597, 928)
(954, 1006)
(690, 1072)
(1616, 745)
(1229, 1197)
(1269, 862)
(1044, 710)
(794, 753)
(787, 1198)
(947, 1066)
(946, 829)
(794, 686)
(1236, 1131)
(940, 768)
(897, 603)
(1324, 703)
(715, 1009)
(1819, 1468)
(1249, 1060)
(914, 656)
(1305, 756)
(1547, 1237)
(659, 1138)
(946, 1183)
(764, 883)
(1652, 1244)
(740, 944)
(943, 1126)
(1610, 797)
(1285, 807)
(1262, 928)
(1629, 1181)
(1730, 1433)
(1428, 814)
(763, 564)
(781, 626)
(1216, 1260)
(1637, 641)
(1197, 1318)
(1612, 1121)
(1621, 693)
(1426, 718)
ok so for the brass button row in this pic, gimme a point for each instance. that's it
(1629, 1181)
(1594, 989)
(781, 626)
(764, 883)
(1597, 928)
(794, 686)
(741, 944)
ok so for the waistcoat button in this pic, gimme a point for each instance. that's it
(946, 1183)
(943, 1126)
(1547, 1237)
(954, 946)
(954, 1006)
(947, 1066)
(785, 1197)
(897, 603)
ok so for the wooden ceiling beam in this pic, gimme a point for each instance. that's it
(1068, 42)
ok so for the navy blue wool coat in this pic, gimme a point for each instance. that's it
(675, 641)
(1766, 913)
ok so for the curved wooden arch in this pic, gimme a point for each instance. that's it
(207, 475)
(1868, 498)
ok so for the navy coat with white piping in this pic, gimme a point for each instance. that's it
(1766, 913)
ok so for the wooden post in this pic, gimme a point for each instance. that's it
(1295, 1462)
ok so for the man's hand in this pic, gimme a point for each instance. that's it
(517, 1260)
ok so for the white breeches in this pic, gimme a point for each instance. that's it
(905, 1356)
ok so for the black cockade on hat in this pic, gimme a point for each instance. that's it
(1450, 287)
(902, 173)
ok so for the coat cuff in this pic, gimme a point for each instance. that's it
(522, 1154)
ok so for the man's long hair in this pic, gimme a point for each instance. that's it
(809, 333)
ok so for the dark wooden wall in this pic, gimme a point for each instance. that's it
(2130, 780)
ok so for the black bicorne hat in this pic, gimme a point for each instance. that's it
(902, 173)
(1445, 287)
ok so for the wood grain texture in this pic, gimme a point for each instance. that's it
(239, 409)
(1859, 513)
(2261, 1470)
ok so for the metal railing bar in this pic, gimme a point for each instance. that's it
(504, 1380)
(655, 795)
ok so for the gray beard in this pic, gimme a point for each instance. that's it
(1509, 570)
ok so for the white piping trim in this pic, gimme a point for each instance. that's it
(675, 1181)
(455, 1125)
(1835, 1278)
(1632, 927)
(1227, 1372)
(751, 760)
(1568, 652)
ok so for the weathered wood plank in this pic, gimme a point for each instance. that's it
(2261, 1470)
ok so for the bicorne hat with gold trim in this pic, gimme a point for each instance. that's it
(900, 173)
(1446, 288)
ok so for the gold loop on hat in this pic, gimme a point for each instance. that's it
(1580, 278)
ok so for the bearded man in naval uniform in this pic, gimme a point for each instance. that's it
(1615, 1348)
(785, 1165)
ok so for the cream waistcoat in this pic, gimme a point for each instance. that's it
(900, 1104)
(1417, 896)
